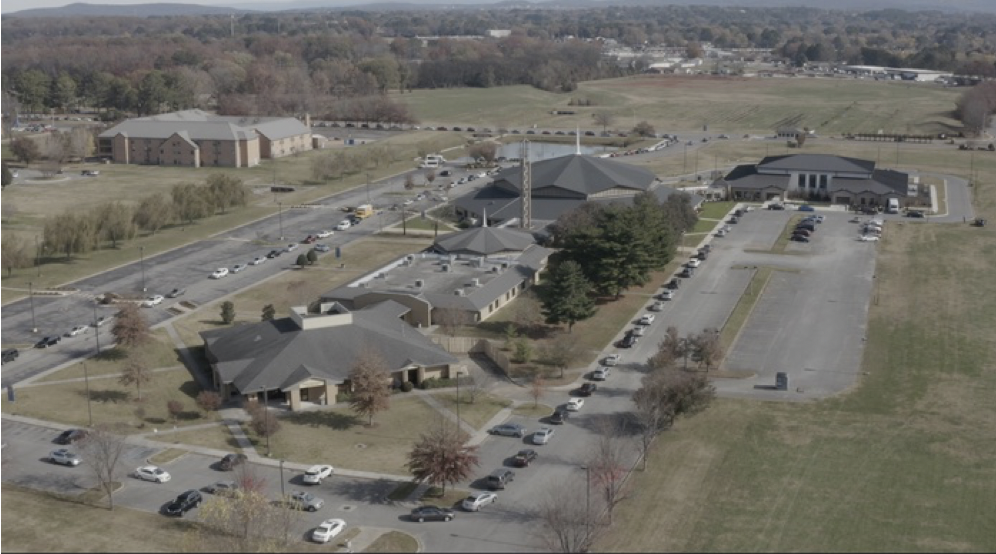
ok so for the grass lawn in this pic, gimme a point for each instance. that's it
(476, 414)
(217, 437)
(715, 210)
(448, 499)
(337, 436)
(157, 353)
(904, 462)
(394, 541)
(529, 409)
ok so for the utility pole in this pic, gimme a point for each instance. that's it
(141, 253)
(587, 507)
(280, 215)
(368, 188)
(282, 493)
(31, 298)
(96, 329)
(266, 420)
(37, 256)
(86, 380)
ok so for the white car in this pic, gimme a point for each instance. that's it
(239, 267)
(601, 374)
(574, 404)
(868, 238)
(152, 473)
(639, 331)
(657, 306)
(325, 234)
(647, 319)
(474, 502)
(543, 435)
(258, 260)
(666, 294)
(316, 473)
(77, 330)
(65, 457)
(219, 273)
(343, 225)
(154, 300)
(328, 530)
(291, 247)
(694, 262)
(612, 359)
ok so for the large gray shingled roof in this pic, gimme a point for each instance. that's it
(578, 173)
(485, 240)
(201, 125)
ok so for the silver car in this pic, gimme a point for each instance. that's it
(65, 457)
(300, 500)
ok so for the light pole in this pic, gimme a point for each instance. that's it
(86, 380)
(141, 253)
(96, 328)
(280, 216)
(266, 420)
(37, 256)
(587, 507)
(282, 493)
(31, 298)
(684, 165)
(368, 188)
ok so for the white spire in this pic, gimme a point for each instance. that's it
(484, 218)
(577, 135)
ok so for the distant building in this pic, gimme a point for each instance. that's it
(499, 33)
(194, 138)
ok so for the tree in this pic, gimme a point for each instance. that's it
(130, 327)
(15, 251)
(441, 457)
(561, 353)
(606, 463)
(603, 119)
(708, 347)
(450, 319)
(209, 401)
(800, 139)
(175, 409)
(565, 297)
(115, 222)
(71, 232)
(653, 412)
(269, 312)
(153, 213)
(565, 513)
(644, 129)
(537, 389)
(226, 191)
(669, 350)
(369, 384)
(312, 257)
(409, 181)
(136, 372)
(262, 423)
(485, 150)
(227, 312)
(25, 149)
(430, 176)
(7, 176)
(522, 350)
(102, 449)
(302, 260)
(190, 202)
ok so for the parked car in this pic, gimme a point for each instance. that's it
(916, 214)
(65, 457)
(499, 479)
(543, 435)
(102, 320)
(175, 293)
(647, 319)
(309, 239)
(219, 273)
(806, 208)
(222, 488)
(477, 500)
(587, 389)
(10, 355)
(152, 473)
(601, 374)
(274, 253)
(45, 342)
(629, 341)
(558, 417)
(799, 238)
(868, 238)
(322, 247)
(638, 331)
(231, 461)
(803, 232)
(694, 262)
(300, 500)
(258, 260)
(431, 513)
(612, 359)
(239, 267)
(291, 247)
(525, 457)
(673, 284)
(69, 436)
(575, 404)
(154, 300)
(78, 330)
(508, 430)
(183, 503)
(776, 207)
(666, 294)
(315, 474)
(328, 530)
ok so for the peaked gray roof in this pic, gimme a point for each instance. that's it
(279, 354)
(201, 125)
(579, 174)
(877, 181)
(485, 240)
(823, 163)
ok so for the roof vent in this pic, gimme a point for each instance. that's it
(458, 292)
(475, 282)
(446, 268)
(495, 269)
(419, 283)
(410, 257)
(505, 265)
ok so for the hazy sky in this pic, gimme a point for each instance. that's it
(7, 6)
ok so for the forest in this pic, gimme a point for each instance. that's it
(329, 63)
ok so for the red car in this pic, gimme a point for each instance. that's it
(310, 239)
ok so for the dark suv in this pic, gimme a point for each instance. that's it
(628, 341)
(229, 462)
(183, 503)
(559, 416)
(10, 355)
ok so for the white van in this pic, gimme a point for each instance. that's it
(893, 206)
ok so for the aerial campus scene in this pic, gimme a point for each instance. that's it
(499, 277)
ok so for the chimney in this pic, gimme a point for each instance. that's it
(307, 120)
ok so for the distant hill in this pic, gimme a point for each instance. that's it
(132, 10)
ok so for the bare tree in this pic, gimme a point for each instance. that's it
(708, 347)
(430, 176)
(654, 413)
(130, 327)
(102, 449)
(604, 119)
(450, 319)
(472, 388)
(209, 401)
(136, 372)
(153, 212)
(442, 457)
(561, 353)
(174, 408)
(537, 389)
(669, 350)
(565, 513)
(369, 384)
(606, 463)
(16, 252)
(409, 181)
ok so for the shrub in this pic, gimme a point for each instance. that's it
(407, 386)
(343, 397)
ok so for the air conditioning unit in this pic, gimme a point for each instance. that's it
(505, 265)
(446, 268)
(458, 292)
(495, 269)
(419, 283)
(410, 257)
(475, 282)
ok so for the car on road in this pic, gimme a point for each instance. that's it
(431, 513)
(694, 262)
(638, 331)
(45, 342)
(324, 234)
(177, 292)
(102, 320)
(601, 374)
(354, 220)
(612, 359)
(575, 404)
(258, 260)
(300, 500)
(69, 436)
(154, 300)
(78, 330)
(183, 503)
(291, 247)
(916, 214)
(543, 435)
(65, 457)
(559, 417)
(239, 267)
(222, 488)
(322, 247)
(328, 530)
(587, 389)
(776, 206)
(656, 306)
(10, 355)
(219, 273)
(152, 473)
(673, 284)
(343, 225)
(309, 239)
(231, 461)
(868, 238)
(629, 341)
(525, 457)
(806, 208)
(647, 319)
(315, 474)
(508, 430)
(799, 238)
(477, 500)
(274, 253)
(499, 479)
(666, 294)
